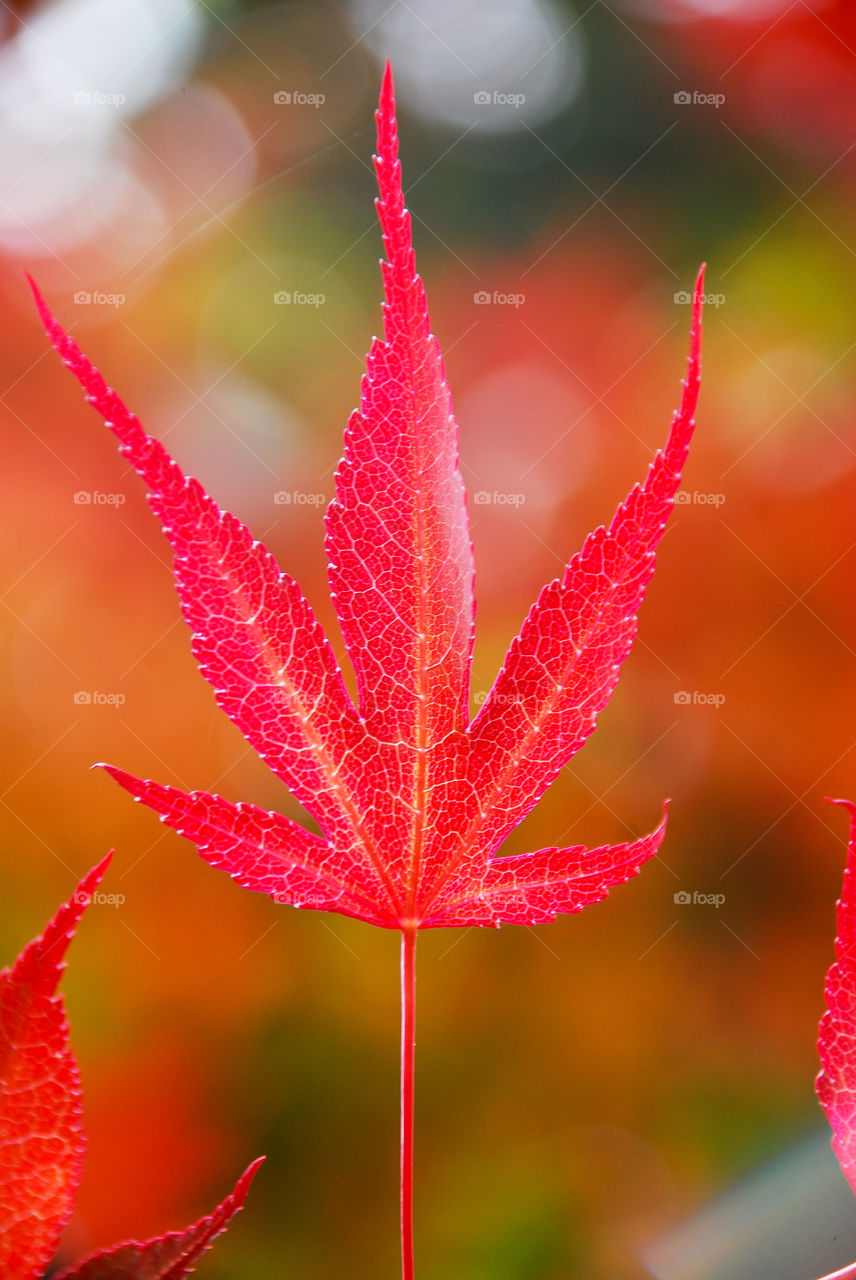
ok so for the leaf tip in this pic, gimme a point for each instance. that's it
(387, 87)
(387, 135)
(82, 897)
(45, 955)
(243, 1184)
(45, 314)
(98, 871)
(698, 307)
(850, 806)
(845, 804)
(118, 775)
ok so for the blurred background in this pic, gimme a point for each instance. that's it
(190, 184)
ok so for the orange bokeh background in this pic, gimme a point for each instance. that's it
(584, 1085)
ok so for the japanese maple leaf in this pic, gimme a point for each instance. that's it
(412, 800)
(836, 1041)
(41, 1130)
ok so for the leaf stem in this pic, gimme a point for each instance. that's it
(408, 1025)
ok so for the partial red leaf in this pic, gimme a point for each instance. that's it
(256, 639)
(401, 564)
(530, 888)
(413, 804)
(41, 1132)
(562, 669)
(259, 850)
(400, 558)
(836, 1083)
(169, 1257)
(845, 1273)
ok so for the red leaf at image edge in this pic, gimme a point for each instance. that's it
(42, 1139)
(41, 1131)
(167, 1257)
(412, 800)
(836, 1041)
(836, 1037)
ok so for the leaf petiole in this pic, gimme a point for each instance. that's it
(408, 1025)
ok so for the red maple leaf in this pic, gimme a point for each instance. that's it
(41, 1131)
(836, 1039)
(413, 800)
